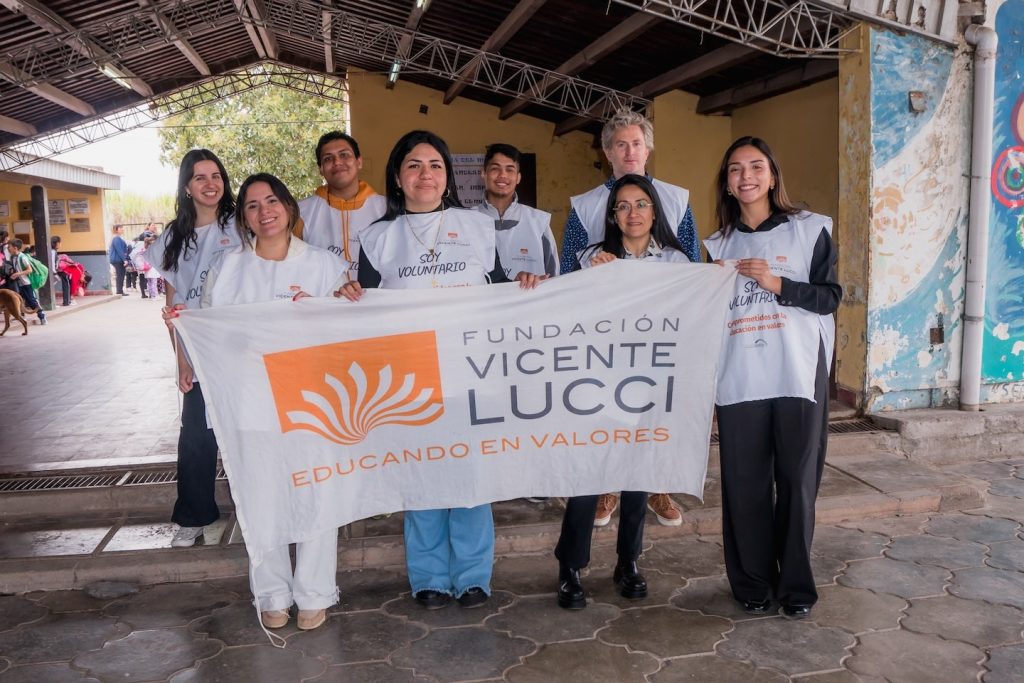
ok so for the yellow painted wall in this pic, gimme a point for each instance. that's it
(687, 150)
(565, 165)
(94, 240)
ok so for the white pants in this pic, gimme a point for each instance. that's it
(312, 586)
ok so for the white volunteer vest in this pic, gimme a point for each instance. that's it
(322, 226)
(463, 252)
(771, 350)
(654, 254)
(193, 265)
(592, 206)
(242, 277)
(524, 238)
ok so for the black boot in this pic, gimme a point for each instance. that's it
(570, 590)
(630, 581)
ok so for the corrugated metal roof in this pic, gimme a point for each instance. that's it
(51, 169)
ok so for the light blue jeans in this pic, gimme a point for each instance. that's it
(450, 550)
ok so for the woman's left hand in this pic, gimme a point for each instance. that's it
(529, 280)
(759, 270)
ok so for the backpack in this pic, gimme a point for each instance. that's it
(37, 278)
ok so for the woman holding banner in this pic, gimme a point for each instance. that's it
(772, 399)
(635, 227)
(201, 229)
(268, 266)
(427, 239)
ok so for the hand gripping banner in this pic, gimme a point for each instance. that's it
(328, 411)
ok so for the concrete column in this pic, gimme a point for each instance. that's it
(41, 238)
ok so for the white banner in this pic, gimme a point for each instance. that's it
(328, 411)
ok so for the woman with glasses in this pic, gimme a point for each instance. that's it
(635, 228)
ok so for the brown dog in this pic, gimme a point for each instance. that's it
(12, 304)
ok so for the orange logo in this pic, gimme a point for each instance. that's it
(524, 251)
(453, 235)
(781, 259)
(342, 391)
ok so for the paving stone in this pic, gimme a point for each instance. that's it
(886, 575)
(711, 668)
(666, 631)
(842, 676)
(67, 601)
(356, 637)
(888, 472)
(237, 624)
(452, 615)
(59, 637)
(17, 610)
(848, 544)
(170, 605)
(110, 590)
(147, 655)
(856, 610)
(5, 664)
(980, 624)
(254, 663)
(541, 619)
(902, 656)
(376, 672)
(45, 673)
(520, 511)
(826, 569)
(587, 660)
(76, 540)
(688, 557)
(937, 550)
(989, 471)
(1008, 555)
(1000, 506)
(837, 483)
(463, 654)
(972, 528)
(793, 647)
(660, 587)
(526, 574)
(986, 583)
(1005, 664)
(369, 588)
(713, 596)
(892, 527)
(1012, 488)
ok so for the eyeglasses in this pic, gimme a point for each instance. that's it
(625, 208)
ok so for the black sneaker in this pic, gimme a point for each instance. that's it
(474, 597)
(433, 599)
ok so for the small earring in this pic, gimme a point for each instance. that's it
(188, 194)
(447, 193)
(729, 192)
(772, 186)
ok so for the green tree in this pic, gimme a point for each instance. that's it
(129, 208)
(269, 129)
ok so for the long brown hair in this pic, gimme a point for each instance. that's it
(727, 209)
(279, 190)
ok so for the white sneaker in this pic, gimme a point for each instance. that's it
(185, 536)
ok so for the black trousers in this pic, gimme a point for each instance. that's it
(772, 457)
(197, 464)
(142, 285)
(573, 549)
(65, 288)
(119, 273)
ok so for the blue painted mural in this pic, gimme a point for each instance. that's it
(919, 220)
(1003, 359)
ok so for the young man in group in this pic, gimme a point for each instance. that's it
(333, 216)
(628, 139)
(525, 241)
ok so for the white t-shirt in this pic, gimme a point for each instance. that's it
(524, 239)
(462, 243)
(327, 227)
(193, 265)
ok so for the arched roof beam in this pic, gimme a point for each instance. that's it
(325, 35)
(17, 127)
(622, 34)
(167, 26)
(80, 42)
(811, 71)
(508, 28)
(419, 8)
(692, 71)
(45, 90)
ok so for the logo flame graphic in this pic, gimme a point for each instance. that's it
(345, 390)
(351, 416)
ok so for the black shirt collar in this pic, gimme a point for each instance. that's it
(771, 222)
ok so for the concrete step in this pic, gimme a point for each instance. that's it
(46, 553)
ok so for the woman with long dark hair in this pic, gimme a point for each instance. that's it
(202, 228)
(635, 227)
(424, 231)
(772, 395)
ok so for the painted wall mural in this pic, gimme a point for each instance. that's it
(1003, 359)
(918, 221)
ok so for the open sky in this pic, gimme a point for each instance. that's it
(135, 156)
